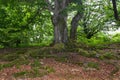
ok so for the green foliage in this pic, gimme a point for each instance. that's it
(116, 38)
(28, 23)
(97, 40)
(17, 23)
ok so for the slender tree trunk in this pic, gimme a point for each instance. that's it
(74, 25)
(115, 10)
(75, 22)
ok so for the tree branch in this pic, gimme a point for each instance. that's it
(49, 6)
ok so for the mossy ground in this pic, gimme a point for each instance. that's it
(59, 52)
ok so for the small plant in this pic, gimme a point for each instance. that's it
(108, 56)
(49, 69)
(92, 54)
(83, 52)
(61, 59)
(20, 74)
(36, 63)
(91, 65)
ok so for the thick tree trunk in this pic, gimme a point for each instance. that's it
(60, 28)
(59, 21)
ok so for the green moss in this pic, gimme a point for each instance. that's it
(83, 52)
(91, 65)
(61, 59)
(34, 53)
(10, 57)
(92, 54)
(19, 74)
(59, 46)
(108, 56)
(36, 63)
(16, 62)
(13, 56)
(49, 69)
(37, 70)
(30, 74)
(72, 44)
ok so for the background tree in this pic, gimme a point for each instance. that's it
(115, 10)
(94, 18)
(16, 20)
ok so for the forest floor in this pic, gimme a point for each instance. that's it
(66, 66)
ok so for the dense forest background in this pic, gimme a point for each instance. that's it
(44, 22)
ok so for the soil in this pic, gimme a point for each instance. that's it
(70, 70)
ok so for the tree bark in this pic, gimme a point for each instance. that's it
(74, 25)
(60, 29)
(115, 10)
(59, 21)
(75, 22)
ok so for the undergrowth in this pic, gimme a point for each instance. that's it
(24, 57)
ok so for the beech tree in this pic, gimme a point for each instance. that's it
(59, 19)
